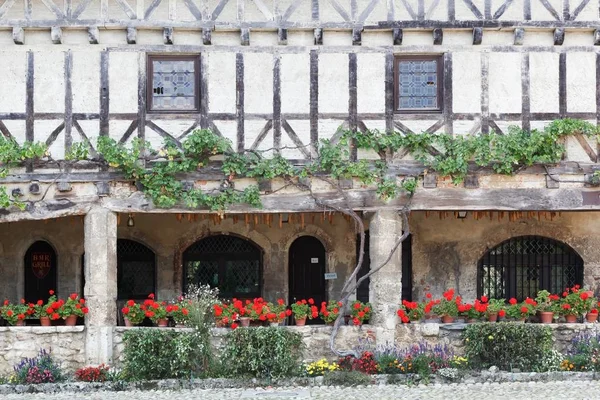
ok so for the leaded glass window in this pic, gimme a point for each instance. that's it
(418, 85)
(136, 270)
(173, 83)
(229, 263)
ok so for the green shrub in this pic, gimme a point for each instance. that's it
(506, 345)
(158, 354)
(346, 378)
(262, 352)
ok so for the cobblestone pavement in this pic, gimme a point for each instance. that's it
(506, 391)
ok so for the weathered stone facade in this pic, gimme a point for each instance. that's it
(284, 75)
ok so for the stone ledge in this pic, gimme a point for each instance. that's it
(43, 330)
(123, 329)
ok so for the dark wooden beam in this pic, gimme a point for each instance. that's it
(239, 96)
(314, 102)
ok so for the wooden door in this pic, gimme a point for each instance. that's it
(307, 272)
(40, 272)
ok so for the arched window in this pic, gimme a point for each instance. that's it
(229, 263)
(521, 266)
(136, 270)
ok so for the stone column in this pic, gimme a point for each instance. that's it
(386, 285)
(100, 284)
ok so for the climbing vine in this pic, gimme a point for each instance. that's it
(159, 172)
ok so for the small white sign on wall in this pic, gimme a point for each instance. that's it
(314, 260)
(330, 275)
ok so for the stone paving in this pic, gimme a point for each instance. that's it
(489, 391)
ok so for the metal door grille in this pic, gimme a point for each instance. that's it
(136, 270)
(229, 263)
(521, 266)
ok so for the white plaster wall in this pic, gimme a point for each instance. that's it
(466, 78)
(49, 81)
(295, 83)
(13, 65)
(333, 83)
(543, 82)
(302, 14)
(258, 82)
(85, 80)
(581, 82)
(221, 82)
(371, 83)
(123, 73)
(505, 82)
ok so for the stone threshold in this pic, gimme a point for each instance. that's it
(223, 383)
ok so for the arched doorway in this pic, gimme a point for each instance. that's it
(229, 263)
(136, 270)
(40, 271)
(521, 266)
(307, 266)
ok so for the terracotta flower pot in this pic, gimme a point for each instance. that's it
(546, 317)
(571, 318)
(71, 320)
(45, 321)
(300, 321)
(492, 317)
(128, 323)
(447, 319)
(591, 317)
(20, 322)
(163, 323)
(245, 322)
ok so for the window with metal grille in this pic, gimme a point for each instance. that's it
(136, 270)
(521, 266)
(229, 263)
(173, 83)
(418, 84)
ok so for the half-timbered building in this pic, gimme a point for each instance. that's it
(282, 75)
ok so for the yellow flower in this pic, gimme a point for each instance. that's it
(490, 337)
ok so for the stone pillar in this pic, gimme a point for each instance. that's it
(385, 288)
(100, 284)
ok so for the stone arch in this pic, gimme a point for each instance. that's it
(202, 232)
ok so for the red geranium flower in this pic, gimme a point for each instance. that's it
(22, 301)
(584, 295)
(81, 301)
(40, 302)
(356, 321)
(185, 311)
(85, 310)
(311, 301)
(55, 316)
(524, 309)
(9, 313)
(356, 306)
(484, 299)
(513, 301)
(21, 317)
(593, 311)
(280, 302)
(51, 292)
(149, 314)
(125, 310)
(501, 313)
(151, 296)
(234, 326)
(288, 312)
(428, 295)
(130, 303)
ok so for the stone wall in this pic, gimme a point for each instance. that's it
(316, 338)
(67, 344)
(446, 251)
